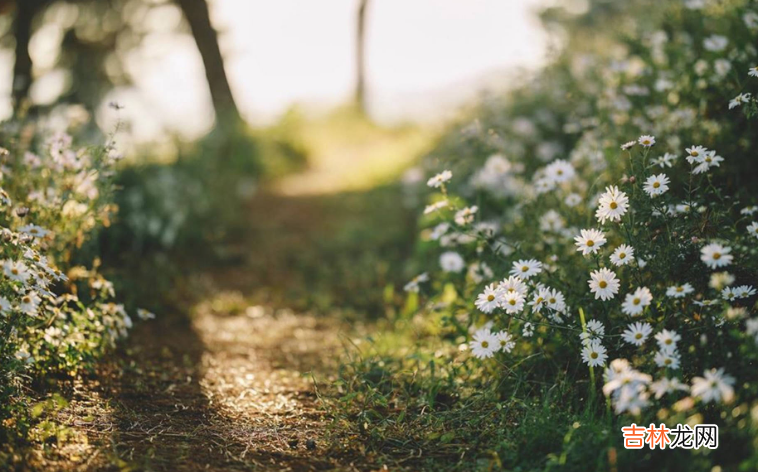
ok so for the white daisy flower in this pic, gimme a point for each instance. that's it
(593, 331)
(552, 221)
(635, 303)
(715, 43)
(29, 304)
(619, 374)
(694, 153)
(452, 262)
(667, 359)
(753, 71)
(466, 215)
(34, 230)
(528, 330)
(556, 301)
(679, 291)
(560, 171)
(637, 333)
(526, 269)
(667, 340)
(749, 210)
(665, 385)
(539, 299)
(714, 386)
(589, 241)
(666, 160)
(656, 185)
(719, 280)
(5, 306)
(514, 284)
(707, 161)
(594, 354)
(715, 255)
(632, 399)
(622, 255)
(744, 291)
(505, 341)
(436, 206)
(613, 204)
(440, 179)
(489, 299)
(16, 271)
(544, 185)
(628, 145)
(729, 294)
(484, 344)
(646, 140)
(752, 229)
(739, 100)
(513, 302)
(572, 200)
(604, 284)
(439, 231)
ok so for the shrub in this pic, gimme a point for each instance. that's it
(56, 316)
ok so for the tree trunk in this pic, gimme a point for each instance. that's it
(206, 38)
(360, 57)
(22, 67)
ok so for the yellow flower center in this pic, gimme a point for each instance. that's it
(603, 284)
(613, 205)
(656, 184)
(485, 344)
(593, 355)
(490, 297)
(622, 255)
(524, 269)
(636, 301)
(680, 289)
(590, 243)
(717, 255)
(512, 301)
(638, 336)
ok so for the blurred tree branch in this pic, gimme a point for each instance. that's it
(197, 14)
(360, 59)
(26, 10)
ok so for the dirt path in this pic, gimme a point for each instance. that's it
(234, 383)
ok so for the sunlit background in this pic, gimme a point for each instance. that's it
(424, 59)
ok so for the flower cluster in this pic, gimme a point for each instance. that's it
(635, 256)
(54, 316)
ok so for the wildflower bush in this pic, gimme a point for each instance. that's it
(57, 313)
(590, 253)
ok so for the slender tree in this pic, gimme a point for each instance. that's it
(206, 38)
(360, 57)
(26, 10)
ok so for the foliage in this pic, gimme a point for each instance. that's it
(593, 251)
(57, 314)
